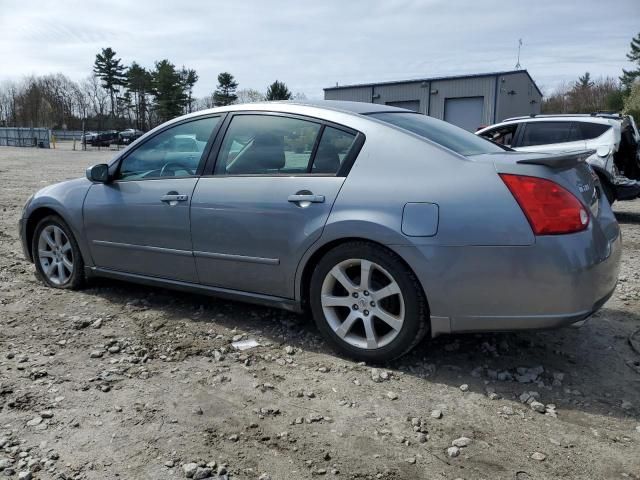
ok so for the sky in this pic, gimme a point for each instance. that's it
(315, 44)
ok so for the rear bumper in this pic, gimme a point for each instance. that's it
(557, 281)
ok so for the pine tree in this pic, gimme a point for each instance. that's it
(278, 91)
(629, 76)
(189, 79)
(168, 90)
(111, 71)
(225, 94)
(139, 84)
(584, 81)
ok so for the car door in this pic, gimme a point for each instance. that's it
(139, 222)
(549, 136)
(267, 199)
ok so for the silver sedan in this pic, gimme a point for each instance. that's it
(386, 225)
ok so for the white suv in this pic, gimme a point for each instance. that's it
(613, 138)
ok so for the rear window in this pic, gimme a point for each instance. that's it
(589, 131)
(442, 133)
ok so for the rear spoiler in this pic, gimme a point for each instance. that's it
(560, 160)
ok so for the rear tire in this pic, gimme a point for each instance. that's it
(367, 303)
(56, 254)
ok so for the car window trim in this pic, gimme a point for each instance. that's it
(210, 164)
(518, 135)
(201, 163)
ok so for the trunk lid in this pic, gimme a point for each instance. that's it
(568, 169)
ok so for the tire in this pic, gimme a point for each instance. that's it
(64, 258)
(608, 190)
(375, 321)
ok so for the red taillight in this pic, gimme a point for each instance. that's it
(550, 209)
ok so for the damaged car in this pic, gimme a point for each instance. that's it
(613, 138)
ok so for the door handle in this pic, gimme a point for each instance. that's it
(173, 198)
(306, 198)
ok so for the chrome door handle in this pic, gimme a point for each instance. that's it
(170, 197)
(306, 198)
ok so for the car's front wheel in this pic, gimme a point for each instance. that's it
(56, 254)
(367, 302)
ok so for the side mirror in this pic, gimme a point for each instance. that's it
(98, 173)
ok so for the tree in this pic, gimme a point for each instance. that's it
(139, 84)
(168, 91)
(189, 78)
(111, 71)
(225, 94)
(629, 76)
(584, 81)
(632, 102)
(278, 91)
(249, 95)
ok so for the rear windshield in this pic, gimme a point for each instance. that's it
(442, 133)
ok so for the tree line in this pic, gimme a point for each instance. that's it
(118, 96)
(588, 95)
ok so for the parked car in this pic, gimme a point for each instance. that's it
(88, 136)
(104, 139)
(614, 140)
(129, 135)
(393, 226)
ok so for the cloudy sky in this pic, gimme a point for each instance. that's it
(314, 44)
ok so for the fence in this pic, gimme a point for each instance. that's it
(67, 134)
(25, 137)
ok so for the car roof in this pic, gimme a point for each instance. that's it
(588, 117)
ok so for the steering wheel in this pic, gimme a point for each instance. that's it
(168, 167)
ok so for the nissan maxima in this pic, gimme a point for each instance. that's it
(386, 225)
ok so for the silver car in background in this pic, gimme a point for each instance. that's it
(613, 139)
(385, 224)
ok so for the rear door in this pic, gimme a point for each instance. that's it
(549, 136)
(267, 199)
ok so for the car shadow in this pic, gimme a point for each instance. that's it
(593, 366)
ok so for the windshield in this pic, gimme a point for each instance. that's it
(442, 133)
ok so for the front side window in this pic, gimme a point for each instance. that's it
(443, 133)
(502, 135)
(267, 145)
(175, 152)
(546, 133)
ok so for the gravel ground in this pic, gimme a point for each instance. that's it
(125, 381)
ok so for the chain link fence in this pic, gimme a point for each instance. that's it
(25, 137)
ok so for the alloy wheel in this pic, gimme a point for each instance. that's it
(362, 303)
(55, 254)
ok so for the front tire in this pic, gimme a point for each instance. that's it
(56, 254)
(367, 303)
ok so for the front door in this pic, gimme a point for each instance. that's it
(139, 222)
(275, 180)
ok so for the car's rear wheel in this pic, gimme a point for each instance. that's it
(367, 302)
(56, 254)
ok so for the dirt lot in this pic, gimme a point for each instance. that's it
(125, 381)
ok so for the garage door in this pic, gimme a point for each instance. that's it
(464, 112)
(408, 104)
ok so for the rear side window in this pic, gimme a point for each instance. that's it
(546, 133)
(333, 148)
(589, 131)
(443, 133)
(267, 145)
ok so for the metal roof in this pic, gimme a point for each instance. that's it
(434, 79)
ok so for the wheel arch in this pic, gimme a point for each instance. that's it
(32, 221)
(304, 283)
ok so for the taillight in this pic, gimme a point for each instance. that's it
(550, 208)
